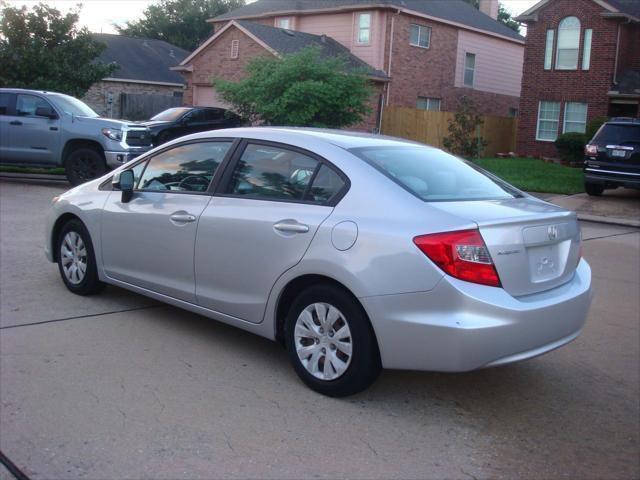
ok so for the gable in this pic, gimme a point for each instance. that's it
(610, 8)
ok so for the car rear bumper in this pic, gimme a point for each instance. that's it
(629, 180)
(461, 326)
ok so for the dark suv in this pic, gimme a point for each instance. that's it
(612, 157)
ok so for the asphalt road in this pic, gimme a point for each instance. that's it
(118, 386)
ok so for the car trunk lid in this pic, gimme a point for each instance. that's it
(535, 246)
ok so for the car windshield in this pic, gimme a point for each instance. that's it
(73, 106)
(171, 114)
(611, 134)
(433, 175)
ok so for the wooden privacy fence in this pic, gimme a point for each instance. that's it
(142, 106)
(432, 127)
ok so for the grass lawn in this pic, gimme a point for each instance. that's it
(48, 171)
(535, 175)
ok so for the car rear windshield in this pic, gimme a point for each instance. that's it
(171, 115)
(611, 134)
(435, 176)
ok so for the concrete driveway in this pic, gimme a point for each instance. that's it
(118, 386)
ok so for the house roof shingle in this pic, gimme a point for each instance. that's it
(141, 59)
(457, 11)
(287, 41)
(630, 7)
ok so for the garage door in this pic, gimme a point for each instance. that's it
(205, 96)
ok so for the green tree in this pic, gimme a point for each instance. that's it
(463, 138)
(180, 22)
(43, 49)
(503, 16)
(302, 89)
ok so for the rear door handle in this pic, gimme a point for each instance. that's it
(291, 227)
(183, 218)
(15, 122)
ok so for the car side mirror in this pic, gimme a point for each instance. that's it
(46, 111)
(124, 181)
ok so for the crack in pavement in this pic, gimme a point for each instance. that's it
(612, 235)
(78, 317)
(12, 467)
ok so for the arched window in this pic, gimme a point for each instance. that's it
(568, 44)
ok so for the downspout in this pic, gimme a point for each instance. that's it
(393, 18)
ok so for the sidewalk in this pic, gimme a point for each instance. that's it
(619, 207)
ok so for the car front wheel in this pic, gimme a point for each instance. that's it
(84, 164)
(76, 259)
(330, 342)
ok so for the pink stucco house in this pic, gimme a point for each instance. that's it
(419, 53)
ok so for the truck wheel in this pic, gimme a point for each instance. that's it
(84, 164)
(594, 189)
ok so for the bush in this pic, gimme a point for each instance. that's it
(594, 125)
(571, 146)
(463, 139)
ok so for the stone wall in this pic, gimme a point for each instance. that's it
(98, 95)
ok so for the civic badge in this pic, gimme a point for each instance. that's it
(552, 232)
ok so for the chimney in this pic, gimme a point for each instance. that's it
(489, 7)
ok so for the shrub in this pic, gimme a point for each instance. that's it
(594, 125)
(571, 146)
(463, 139)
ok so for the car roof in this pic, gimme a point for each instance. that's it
(341, 138)
(623, 121)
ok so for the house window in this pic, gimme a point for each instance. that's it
(469, 69)
(235, 47)
(427, 103)
(364, 28)
(284, 23)
(586, 49)
(513, 112)
(420, 36)
(568, 44)
(548, 120)
(575, 117)
(548, 50)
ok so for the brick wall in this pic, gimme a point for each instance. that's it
(431, 72)
(585, 86)
(629, 51)
(215, 61)
(98, 94)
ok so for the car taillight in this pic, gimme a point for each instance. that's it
(462, 254)
(591, 150)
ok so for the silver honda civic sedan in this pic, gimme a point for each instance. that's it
(356, 252)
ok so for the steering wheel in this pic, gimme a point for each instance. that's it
(196, 181)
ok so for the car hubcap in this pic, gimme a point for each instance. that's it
(323, 341)
(73, 255)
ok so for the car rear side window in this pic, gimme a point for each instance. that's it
(272, 173)
(326, 185)
(433, 175)
(611, 134)
(186, 168)
(5, 98)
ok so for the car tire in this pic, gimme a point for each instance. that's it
(338, 354)
(75, 253)
(84, 164)
(594, 189)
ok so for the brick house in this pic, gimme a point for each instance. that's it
(143, 67)
(421, 53)
(582, 61)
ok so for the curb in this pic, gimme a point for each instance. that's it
(32, 176)
(624, 222)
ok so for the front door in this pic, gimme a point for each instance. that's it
(149, 241)
(32, 139)
(259, 225)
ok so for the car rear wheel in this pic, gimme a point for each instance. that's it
(84, 164)
(330, 342)
(594, 189)
(76, 259)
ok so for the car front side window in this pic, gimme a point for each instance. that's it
(186, 168)
(26, 105)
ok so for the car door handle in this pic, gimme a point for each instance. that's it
(15, 122)
(183, 218)
(291, 227)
